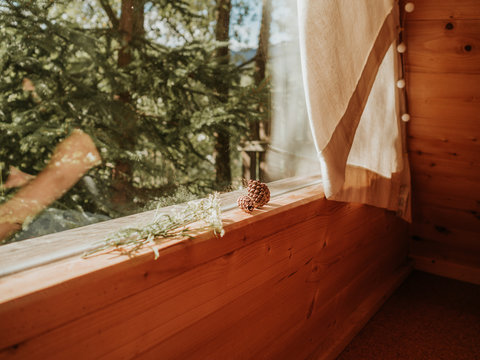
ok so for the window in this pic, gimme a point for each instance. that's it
(152, 101)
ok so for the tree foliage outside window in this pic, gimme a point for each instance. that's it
(149, 81)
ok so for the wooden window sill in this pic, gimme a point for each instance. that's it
(56, 251)
(116, 276)
(292, 263)
(31, 253)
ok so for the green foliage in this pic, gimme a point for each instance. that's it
(59, 70)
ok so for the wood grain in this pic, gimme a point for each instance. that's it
(167, 308)
(446, 260)
(447, 96)
(446, 171)
(116, 277)
(445, 129)
(289, 300)
(19, 256)
(451, 194)
(435, 48)
(329, 321)
(463, 153)
(431, 178)
(444, 9)
(447, 217)
(443, 87)
(232, 297)
(445, 234)
(363, 313)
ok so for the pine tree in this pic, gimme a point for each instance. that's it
(143, 82)
(261, 130)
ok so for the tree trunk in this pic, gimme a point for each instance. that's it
(130, 27)
(223, 175)
(261, 56)
(261, 130)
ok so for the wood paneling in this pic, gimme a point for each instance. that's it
(444, 46)
(446, 217)
(444, 9)
(447, 192)
(115, 277)
(462, 153)
(443, 73)
(299, 278)
(448, 96)
(446, 260)
(18, 256)
(461, 239)
(446, 129)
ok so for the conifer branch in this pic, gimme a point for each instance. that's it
(247, 62)
(109, 11)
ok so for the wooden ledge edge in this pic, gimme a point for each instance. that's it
(31, 253)
(52, 274)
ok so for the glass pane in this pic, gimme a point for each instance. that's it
(113, 107)
(291, 151)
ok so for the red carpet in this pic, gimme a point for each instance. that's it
(428, 317)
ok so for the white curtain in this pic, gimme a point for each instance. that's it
(350, 68)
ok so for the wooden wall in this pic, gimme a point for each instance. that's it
(295, 280)
(443, 89)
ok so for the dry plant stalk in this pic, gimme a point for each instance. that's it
(165, 227)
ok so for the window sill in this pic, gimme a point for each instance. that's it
(69, 245)
(291, 263)
(114, 277)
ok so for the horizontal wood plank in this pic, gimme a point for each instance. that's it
(35, 293)
(287, 302)
(448, 96)
(442, 65)
(434, 47)
(464, 131)
(447, 217)
(456, 173)
(161, 311)
(463, 154)
(202, 298)
(447, 194)
(18, 256)
(446, 260)
(308, 334)
(363, 313)
(223, 334)
(444, 234)
(444, 9)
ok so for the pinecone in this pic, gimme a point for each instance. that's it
(246, 204)
(258, 192)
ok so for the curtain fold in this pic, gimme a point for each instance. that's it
(350, 68)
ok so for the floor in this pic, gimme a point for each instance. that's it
(428, 317)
